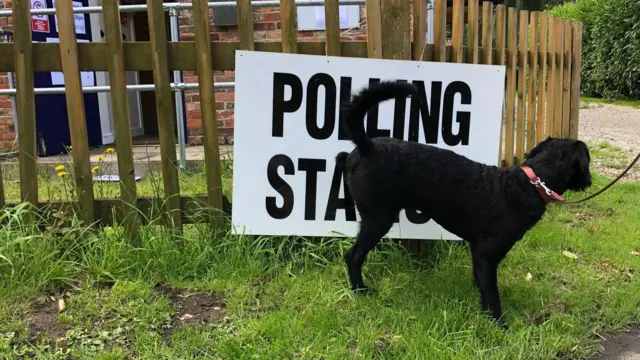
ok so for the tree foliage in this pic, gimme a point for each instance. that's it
(611, 46)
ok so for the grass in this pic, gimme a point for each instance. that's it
(632, 103)
(284, 298)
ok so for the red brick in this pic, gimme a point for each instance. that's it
(195, 115)
(8, 136)
(6, 120)
(225, 114)
(193, 107)
(224, 78)
(191, 124)
(265, 26)
(187, 36)
(224, 96)
(228, 123)
(5, 104)
(271, 16)
(227, 36)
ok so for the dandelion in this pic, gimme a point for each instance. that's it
(62, 173)
(110, 150)
(100, 158)
(95, 169)
(59, 167)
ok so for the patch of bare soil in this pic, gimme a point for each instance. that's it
(192, 308)
(43, 319)
(622, 347)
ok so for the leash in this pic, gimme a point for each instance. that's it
(548, 194)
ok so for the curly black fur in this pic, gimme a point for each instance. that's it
(489, 207)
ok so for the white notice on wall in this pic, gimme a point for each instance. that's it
(87, 77)
(287, 134)
(342, 11)
(78, 19)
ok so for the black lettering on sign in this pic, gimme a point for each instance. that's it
(324, 132)
(462, 117)
(345, 101)
(280, 186)
(311, 167)
(335, 202)
(280, 106)
(430, 115)
(399, 111)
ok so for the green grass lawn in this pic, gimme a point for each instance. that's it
(286, 298)
(632, 103)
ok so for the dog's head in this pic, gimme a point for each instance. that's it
(569, 156)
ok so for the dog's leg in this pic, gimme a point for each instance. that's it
(486, 268)
(373, 226)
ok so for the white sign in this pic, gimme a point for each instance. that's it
(86, 77)
(78, 19)
(312, 17)
(285, 181)
(39, 23)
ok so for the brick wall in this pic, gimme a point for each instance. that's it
(7, 130)
(266, 28)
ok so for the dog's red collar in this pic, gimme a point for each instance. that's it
(546, 193)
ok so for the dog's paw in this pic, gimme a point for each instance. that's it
(364, 290)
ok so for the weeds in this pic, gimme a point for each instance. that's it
(207, 293)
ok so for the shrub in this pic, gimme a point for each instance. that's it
(611, 46)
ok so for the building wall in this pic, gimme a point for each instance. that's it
(266, 28)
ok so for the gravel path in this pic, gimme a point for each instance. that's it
(618, 126)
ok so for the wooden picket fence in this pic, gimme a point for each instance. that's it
(542, 55)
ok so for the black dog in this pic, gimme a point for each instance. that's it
(489, 207)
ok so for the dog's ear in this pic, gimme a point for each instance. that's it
(539, 148)
(581, 158)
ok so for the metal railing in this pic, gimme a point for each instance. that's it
(177, 86)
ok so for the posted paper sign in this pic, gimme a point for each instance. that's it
(287, 134)
(78, 19)
(86, 77)
(39, 23)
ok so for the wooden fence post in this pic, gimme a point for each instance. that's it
(551, 73)
(121, 121)
(531, 87)
(419, 30)
(500, 59)
(25, 101)
(576, 66)
(207, 104)
(472, 32)
(457, 31)
(522, 86)
(542, 76)
(332, 27)
(487, 33)
(288, 24)
(164, 108)
(245, 25)
(440, 31)
(558, 77)
(566, 80)
(512, 58)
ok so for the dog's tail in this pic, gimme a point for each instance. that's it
(364, 100)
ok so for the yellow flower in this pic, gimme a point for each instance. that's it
(110, 150)
(100, 158)
(62, 173)
(95, 169)
(59, 167)
(70, 147)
